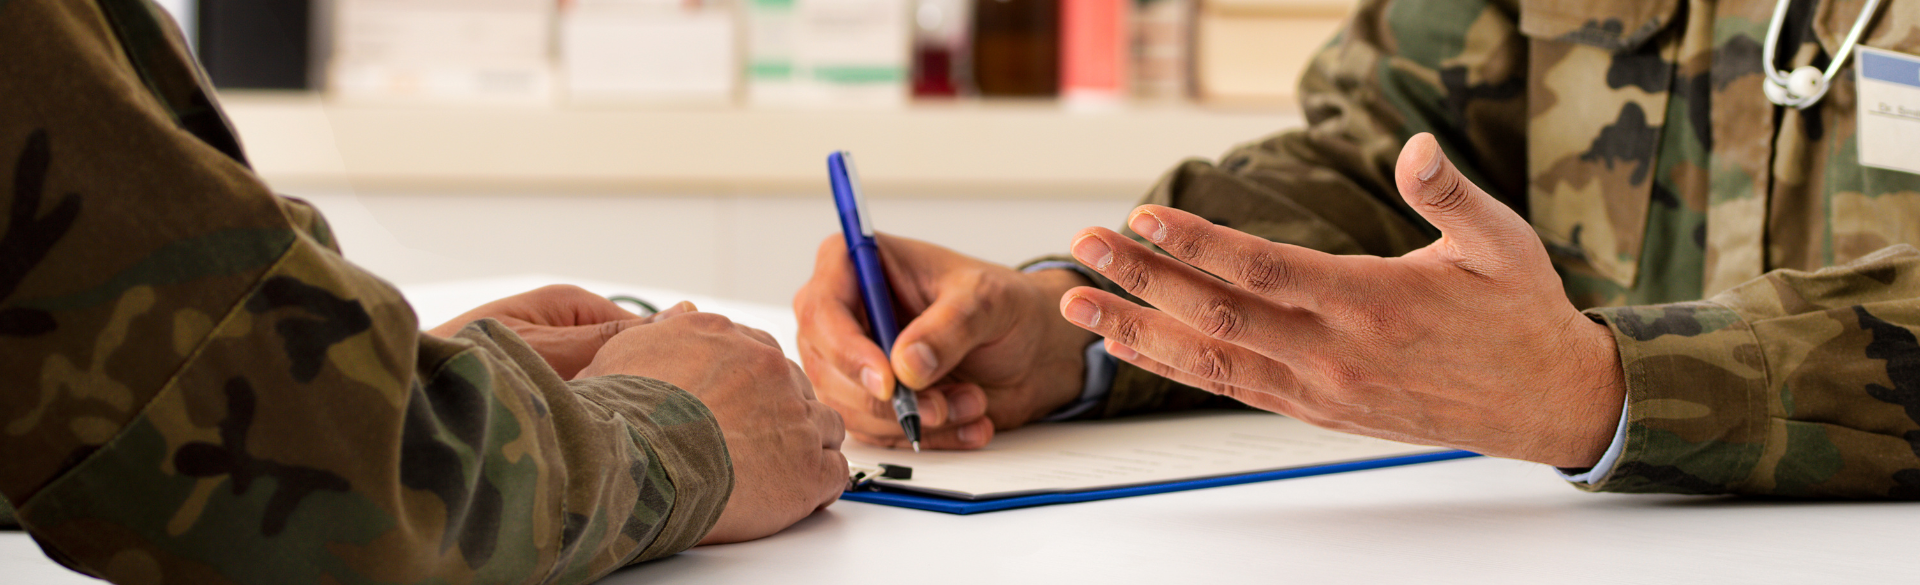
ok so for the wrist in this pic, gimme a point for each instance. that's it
(1062, 366)
(1596, 417)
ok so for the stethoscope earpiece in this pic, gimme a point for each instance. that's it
(1804, 84)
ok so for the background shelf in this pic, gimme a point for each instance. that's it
(989, 150)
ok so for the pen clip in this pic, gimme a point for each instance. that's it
(859, 194)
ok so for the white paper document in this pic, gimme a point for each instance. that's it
(1089, 455)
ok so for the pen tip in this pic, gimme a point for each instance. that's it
(916, 446)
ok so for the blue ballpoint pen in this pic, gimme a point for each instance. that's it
(857, 225)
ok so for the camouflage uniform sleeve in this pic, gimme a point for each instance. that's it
(201, 390)
(1456, 68)
(1793, 384)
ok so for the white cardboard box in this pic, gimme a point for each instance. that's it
(648, 54)
(494, 51)
(831, 53)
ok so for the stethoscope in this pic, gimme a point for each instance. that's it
(1806, 85)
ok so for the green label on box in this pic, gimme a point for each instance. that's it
(770, 70)
(852, 74)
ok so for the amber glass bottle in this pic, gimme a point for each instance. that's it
(1016, 47)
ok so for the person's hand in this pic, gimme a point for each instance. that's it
(981, 344)
(1467, 343)
(565, 324)
(785, 445)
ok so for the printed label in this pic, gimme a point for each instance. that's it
(1888, 127)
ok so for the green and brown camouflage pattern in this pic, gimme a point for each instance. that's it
(200, 389)
(1636, 138)
(1796, 383)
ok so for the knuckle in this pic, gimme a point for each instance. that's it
(804, 301)
(1372, 323)
(1223, 319)
(990, 293)
(814, 307)
(1449, 196)
(1266, 274)
(707, 321)
(1125, 330)
(766, 358)
(1346, 380)
(607, 330)
(800, 382)
(1195, 245)
(1130, 274)
(1211, 363)
(831, 422)
(832, 246)
(561, 292)
(833, 477)
(981, 298)
(752, 331)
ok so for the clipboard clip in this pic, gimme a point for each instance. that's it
(861, 477)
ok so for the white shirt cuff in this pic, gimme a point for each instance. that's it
(1605, 466)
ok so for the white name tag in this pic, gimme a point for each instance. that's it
(1889, 123)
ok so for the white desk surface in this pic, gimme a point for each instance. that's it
(1466, 521)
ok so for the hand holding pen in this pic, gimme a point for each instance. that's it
(870, 273)
(983, 343)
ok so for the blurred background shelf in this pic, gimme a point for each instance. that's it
(976, 150)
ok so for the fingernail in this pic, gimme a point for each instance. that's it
(920, 360)
(1148, 226)
(876, 385)
(1433, 163)
(971, 433)
(1082, 312)
(965, 406)
(1120, 351)
(1093, 252)
(677, 308)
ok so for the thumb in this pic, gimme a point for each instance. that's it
(936, 340)
(1477, 231)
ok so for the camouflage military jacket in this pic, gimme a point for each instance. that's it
(1636, 138)
(199, 389)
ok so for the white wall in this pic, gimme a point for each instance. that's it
(755, 248)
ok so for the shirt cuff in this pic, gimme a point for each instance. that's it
(1697, 383)
(1093, 391)
(1083, 271)
(1605, 466)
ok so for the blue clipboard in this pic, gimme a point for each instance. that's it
(959, 506)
